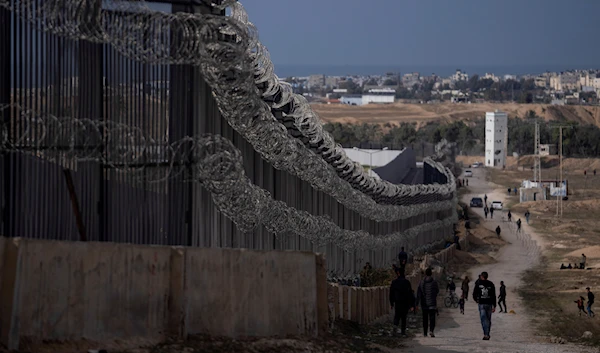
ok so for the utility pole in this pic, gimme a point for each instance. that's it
(559, 196)
(537, 165)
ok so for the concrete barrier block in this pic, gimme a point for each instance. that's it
(239, 292)
(347, 299)
(354, 304)
(177, 294)
(97, 291)
(322, 295)
(9, 333)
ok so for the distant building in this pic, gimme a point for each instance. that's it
(492, 77)
(375, 96)
(496, 125)
(352, 99)
(316, 81)
(460, 76)
(547, 150)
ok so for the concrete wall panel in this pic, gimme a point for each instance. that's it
(237, 292)
(97, 291)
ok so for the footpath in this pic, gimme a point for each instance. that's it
(510, 332)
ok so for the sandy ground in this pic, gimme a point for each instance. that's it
(510, 332)
(448, 112)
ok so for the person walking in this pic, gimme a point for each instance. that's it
(402, 258)
(581, 305)
(590, 302)
(402, 300)
(485, 199)
(465, 287)
(583, 261)
(484, 295)
(509, 216)
(427, 297)
(502, 297)
(519, 226)
(492, 212)
(498, 230)
(527, 214)
(486, 210)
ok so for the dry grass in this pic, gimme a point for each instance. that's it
(448, 112)
(550, 292)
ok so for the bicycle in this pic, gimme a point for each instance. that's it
(451, 300)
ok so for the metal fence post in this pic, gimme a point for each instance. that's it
(5, 116)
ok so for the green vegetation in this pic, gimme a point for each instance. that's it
(580, 140)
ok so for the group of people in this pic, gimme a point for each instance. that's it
(402, 300)
(581, 264)
(581, 301)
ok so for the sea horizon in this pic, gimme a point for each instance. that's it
(425, 70)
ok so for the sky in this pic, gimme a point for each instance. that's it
(428, 32)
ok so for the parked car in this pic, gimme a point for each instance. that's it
(477, 202)
(497, 205)
(476, 165)
(468, 173)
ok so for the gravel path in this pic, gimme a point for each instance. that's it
(510, 332)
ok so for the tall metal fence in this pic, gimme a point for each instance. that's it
(45, 194)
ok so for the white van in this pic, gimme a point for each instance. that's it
(497, 205)
(468, 173)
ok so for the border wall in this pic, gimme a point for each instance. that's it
(103, 292)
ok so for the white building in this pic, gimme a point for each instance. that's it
(496, 125)
(373, 97)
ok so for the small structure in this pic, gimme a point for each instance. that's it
(547, 150)
(532, 194)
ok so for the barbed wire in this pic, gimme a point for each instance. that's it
(212, 160)
(128, 149)
(304, 120)
(220, 46)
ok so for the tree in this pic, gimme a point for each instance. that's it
(526, 97)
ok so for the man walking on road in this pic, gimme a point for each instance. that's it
(401, 299)
(492, 212)
(485, 211)
(502, 297)
(498, 230)
(519, 226)
(427, 296)
(402, 258)
(527, 214)
(485, 295)
(590, 302)
(509, 216)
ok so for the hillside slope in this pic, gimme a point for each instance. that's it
(448, 112)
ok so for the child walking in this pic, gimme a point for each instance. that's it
(580, 305)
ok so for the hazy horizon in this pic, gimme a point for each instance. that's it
(428, 33)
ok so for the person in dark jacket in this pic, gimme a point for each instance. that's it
(484, 295)
(427, 297)
(509, 216)
(402, 258)
(502, 297)
(492, 212)
(590, 302)
(465, 288)
(498, 230)
(401, 299)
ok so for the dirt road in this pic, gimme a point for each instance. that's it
(510, 332)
